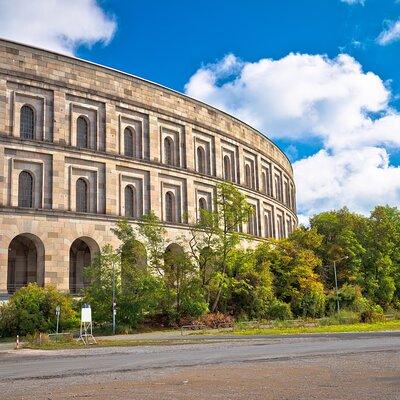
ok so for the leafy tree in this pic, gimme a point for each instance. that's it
(342, 233)
(104, 270)
(294, 269)
(381, 277)
(215, 237)
(248, 290)
(153, 234)
(32, 309)
(183, 283)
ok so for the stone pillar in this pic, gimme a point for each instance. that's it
(154, 139)
(111, 189)
(218, 170)
(240, 163)
(111, 129)
(61, 124)
(191, 201)
(190, 154)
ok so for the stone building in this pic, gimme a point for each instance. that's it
(82, 145)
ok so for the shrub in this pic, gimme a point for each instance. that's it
(278, 309)
(350, 298)
(215, 320)
(344, 317)
(373, 314)
(309, 301)
(32, 309)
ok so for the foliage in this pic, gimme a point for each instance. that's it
(220, 270)
(215, 320)
(373, 314)
(216, 236)
(278, 310)
(183, 284)
(32, 309)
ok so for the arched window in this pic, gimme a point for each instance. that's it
(169, 155)
(252, 223)
(248, 176)
(268, 224)
(170, 207)
(202, 204)
(264, 182)
(201, 160)
(227, 169)
(130, 203)
(81, 195)
(82, 132)
(27, 122)
(129, 138)
(25, 190)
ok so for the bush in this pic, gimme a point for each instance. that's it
(215, 320)
(310, 300)
(32, 309)
(278, 309)
(350, 298)
(344, 317)
(373, 314)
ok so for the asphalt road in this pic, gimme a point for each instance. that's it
(36, 369)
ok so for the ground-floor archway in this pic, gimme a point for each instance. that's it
(25, 262)
(173, 260)
(81, 254)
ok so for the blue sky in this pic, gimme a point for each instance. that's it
(166, 41)
(331, 113)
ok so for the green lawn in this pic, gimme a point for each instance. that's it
(240, 331)
(358, 327)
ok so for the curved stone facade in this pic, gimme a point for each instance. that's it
(82, 145)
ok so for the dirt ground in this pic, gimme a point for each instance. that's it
(371, 375)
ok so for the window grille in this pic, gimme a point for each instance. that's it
(201, 167)
(227, 169)
(81, 195)
(25, 190)
(268, 224)
(130, 205)
(169, 207)
(27, 122)
(169, 151)
(248, 176)
(82, 128)
(128, 142)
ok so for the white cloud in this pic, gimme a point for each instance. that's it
(391, 34)
(59, 25)
(307, 97)
(352, 2)
(358, 178)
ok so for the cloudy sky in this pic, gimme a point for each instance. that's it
(321, 78)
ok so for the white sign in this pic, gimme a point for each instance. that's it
(86, 314)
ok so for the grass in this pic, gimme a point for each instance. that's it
(74, 344)
(203, 337)
(336, 328)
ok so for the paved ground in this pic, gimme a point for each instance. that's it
(365, 366)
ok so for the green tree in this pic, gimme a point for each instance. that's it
(294, 269)
(343, 237)
(101, 273)
(32, 309)
(248, 291)
(183, 283)
(381, 261)
(215, 237)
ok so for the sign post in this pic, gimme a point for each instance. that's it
(58, 310)
(86, 331)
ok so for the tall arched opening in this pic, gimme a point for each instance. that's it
(25, 262)
(81, 254)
